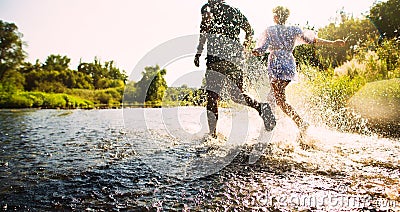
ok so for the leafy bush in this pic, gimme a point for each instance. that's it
(389, 52)
(19, 101)
(76, 102)
(110, 97)
(82, 93)
(40, 99)
(330, 94)
(103, 97)
(115, 94)
(335, 91)
(55, 101)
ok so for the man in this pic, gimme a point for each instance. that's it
(220, 28)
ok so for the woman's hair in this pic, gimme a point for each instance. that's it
(282, 14)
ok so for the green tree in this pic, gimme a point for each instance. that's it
(359, 34)
(103, 76)
(130, 92)
(12, 82)
(157, 87)
(27, 67)
(385, 16)
(56, 63)
(11, 52)
(115, 73)
(389, 51)
(93, 70)
(152, 85)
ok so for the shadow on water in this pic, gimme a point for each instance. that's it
(51, 160)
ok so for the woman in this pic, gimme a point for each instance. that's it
(280, 41)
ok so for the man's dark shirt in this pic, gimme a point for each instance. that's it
(220, 26)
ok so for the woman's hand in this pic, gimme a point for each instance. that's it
(339, 42)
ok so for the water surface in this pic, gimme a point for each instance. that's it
(105, 160)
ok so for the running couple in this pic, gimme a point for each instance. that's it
(220, 28)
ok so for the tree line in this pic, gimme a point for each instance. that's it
(373, 40)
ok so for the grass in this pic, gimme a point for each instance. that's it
(379, 103)
(44, 100)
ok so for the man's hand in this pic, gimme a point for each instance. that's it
(256, 53)
(197, 60)
(248, 43)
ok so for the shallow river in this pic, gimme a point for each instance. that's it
(156, 159)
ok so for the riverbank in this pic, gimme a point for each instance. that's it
(44, 100)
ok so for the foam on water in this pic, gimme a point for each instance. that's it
(87, 160)
(370, 162)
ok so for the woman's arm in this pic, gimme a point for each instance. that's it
(309, 37)
(320, 42)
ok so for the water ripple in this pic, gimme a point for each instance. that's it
(84, 160)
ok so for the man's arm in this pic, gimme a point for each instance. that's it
(249, 35)
(245, 25)
(204, 28)
(200, 47)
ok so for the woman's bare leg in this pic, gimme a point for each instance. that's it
(279, 88)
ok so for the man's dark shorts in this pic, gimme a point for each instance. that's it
(223, 73)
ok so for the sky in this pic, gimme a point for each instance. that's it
(130, 32)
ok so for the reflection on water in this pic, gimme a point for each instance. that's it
(88, 160)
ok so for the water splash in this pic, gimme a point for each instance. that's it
(95, 166)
